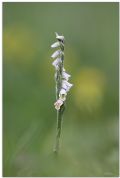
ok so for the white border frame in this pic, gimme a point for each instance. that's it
(1, 77)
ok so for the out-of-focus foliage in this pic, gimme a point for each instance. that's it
(89, 141)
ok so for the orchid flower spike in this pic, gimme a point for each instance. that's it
(62, 84)
(61, 75)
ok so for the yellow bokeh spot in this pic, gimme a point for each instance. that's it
(18, 44)
(89, 88)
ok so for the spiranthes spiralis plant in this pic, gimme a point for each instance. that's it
(62, 84)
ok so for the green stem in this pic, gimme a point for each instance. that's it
(59, 127)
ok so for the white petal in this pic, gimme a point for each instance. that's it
(66, 85)
(55, 45)
(56, 62)
(56, 54)
(70, 84)
(63, 91)
(68, 88)
(59, 37)
(63, 94)
(65, 75)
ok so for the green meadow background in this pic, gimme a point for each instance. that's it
(89, 140)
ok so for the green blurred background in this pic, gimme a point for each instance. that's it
(89, 140)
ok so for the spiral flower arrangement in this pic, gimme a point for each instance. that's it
(62, 84)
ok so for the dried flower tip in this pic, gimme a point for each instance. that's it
(58, 104)
(55, 45)
(65, 75)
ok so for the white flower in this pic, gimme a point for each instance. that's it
(56, 63)
(59, 37)
(62, 94)
(55, 45)
(65, 75)
(58, 104)
(57, 53)
(66, 85)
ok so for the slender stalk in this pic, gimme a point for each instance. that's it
(59, 127)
